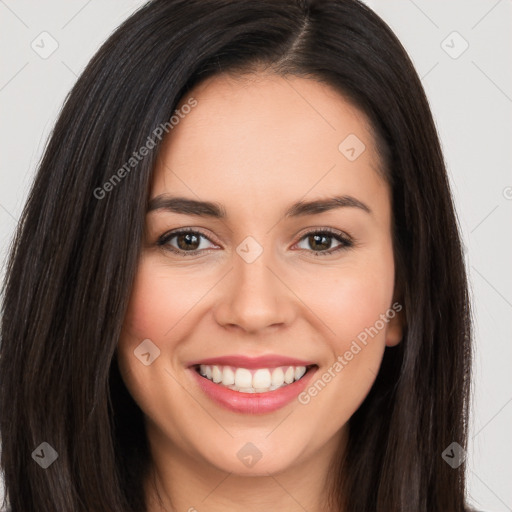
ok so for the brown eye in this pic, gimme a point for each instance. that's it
(321, 242)
(186, 242)
(190, 242)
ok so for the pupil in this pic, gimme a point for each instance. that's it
(315, 238)
(188, 244)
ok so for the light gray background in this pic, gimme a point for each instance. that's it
(470, 96)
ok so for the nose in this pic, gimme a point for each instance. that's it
(255, 298)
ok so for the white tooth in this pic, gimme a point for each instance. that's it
(289, 375)
(299, 372)
(202, 369)
(208, 372)
(228, 377)
(261, 390)
(247, 390)
(277, 377)
(261, 379)
(243, 378)
(216, 374)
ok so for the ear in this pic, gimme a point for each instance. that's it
(396, 324)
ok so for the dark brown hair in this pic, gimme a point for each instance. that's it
(74, 258)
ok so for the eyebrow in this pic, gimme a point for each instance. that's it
(188, 206)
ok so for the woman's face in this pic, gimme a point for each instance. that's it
(264, 280)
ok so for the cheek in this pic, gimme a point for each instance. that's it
(150, 305)
(360, 304)
(353, 305)
(157, 310)
(355, 298)
(160, 302)
(154, 308)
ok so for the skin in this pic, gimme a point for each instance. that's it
(257, 144)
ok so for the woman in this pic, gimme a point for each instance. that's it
(238, 279)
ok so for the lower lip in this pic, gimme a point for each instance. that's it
(253, 403)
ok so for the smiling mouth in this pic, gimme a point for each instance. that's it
(261, 380)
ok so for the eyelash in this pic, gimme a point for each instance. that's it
(345, 241)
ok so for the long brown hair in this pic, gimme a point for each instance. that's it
(74, 258)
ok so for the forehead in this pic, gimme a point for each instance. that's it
(261, 138)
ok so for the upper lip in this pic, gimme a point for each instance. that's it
(239, 361)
